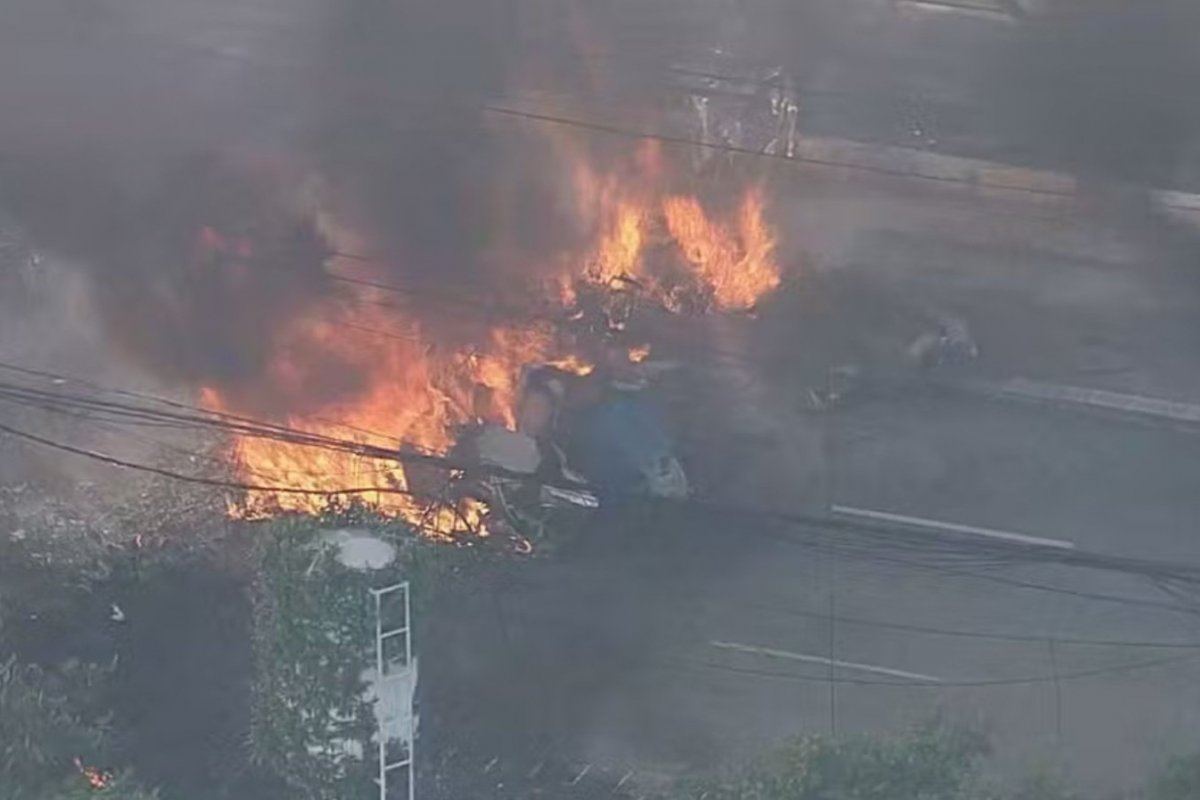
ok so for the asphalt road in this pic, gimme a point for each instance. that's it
(644, 648)
(604, 655)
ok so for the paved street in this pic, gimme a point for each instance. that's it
(667, 644)
(607, 651)
(610, 652)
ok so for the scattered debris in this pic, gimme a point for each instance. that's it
(96, 777)
(950, 343)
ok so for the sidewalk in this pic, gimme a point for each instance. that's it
(971, 174)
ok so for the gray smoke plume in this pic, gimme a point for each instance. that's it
(161, 147)
(164, 146)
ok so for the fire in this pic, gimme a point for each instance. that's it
(414, 396)
(96, 778)
(730, 260)
(733, 260)
(409, 390)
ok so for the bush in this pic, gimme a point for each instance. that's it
(50, 727)
(930, 763)
(117, 787)
(1179, 781)
(45, 726)
(314, 636)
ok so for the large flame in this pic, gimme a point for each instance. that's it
(414, 395)
(414, 391)
(734, 261)
(731, 262)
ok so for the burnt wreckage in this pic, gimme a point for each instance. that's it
(579, 439)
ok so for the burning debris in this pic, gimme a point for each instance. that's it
(546, 373)
(97, 778)
(391, 284)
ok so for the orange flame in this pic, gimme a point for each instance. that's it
(96, 778)
(734, 261)
(414, 395)
(414, 392)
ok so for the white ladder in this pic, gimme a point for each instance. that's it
(392, 641)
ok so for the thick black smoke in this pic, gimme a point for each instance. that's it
(161, 146)
(192, 270)
(166, 147)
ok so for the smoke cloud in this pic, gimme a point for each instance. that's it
(175, 151)
(166, 148)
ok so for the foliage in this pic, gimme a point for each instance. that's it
(45, 723)
(1180, 780)
(121, 786)
(1044, 785)
(929, 763)
(314, 634)
(48, 720)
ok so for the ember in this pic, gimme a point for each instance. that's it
(639, 354)
(96, 778)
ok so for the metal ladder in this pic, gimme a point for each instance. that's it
(388, 676)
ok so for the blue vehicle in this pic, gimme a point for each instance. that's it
(620, 445)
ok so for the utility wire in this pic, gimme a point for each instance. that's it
(946, 684)
(618, 130)
(871, 534)
(214, 482)
(982, 635)
(226, 484)
(861, 541)
(284, 489)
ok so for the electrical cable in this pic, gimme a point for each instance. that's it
(617, 130)
(982, 635)
(946, 684)
(867, 541)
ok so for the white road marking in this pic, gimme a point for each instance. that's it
(963, 8)
(790, 656)
(1026, 389)
(952, 527)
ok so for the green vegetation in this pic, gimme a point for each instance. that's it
(931, 762)
(313, 637)
(45, 723)
(51, 729)
(1180, 780)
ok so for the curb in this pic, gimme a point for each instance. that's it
(972, 173)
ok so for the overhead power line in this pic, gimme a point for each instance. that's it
(942, 684)
(995, 636)
(625, 132)
(179, 476)
(209, 51)
(868, 541)
(629, 133)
